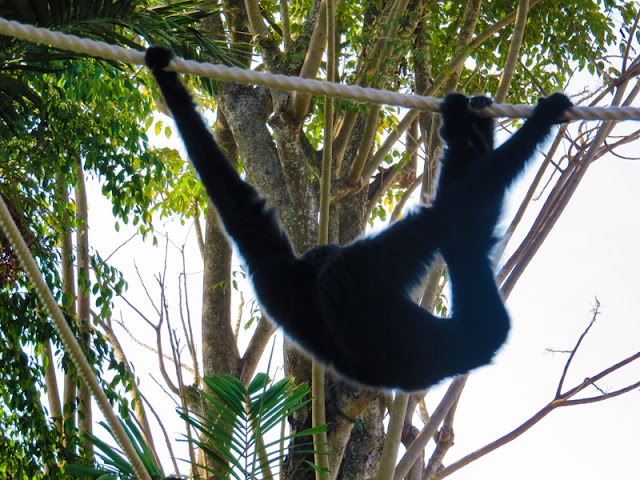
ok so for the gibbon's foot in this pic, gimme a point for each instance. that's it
(553, 107)
(456, 116)
(479, 102)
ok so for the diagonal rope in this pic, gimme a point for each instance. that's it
(71, 346)
(105, 50)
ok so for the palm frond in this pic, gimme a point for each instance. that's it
(115, 464)
(235, 422)
(132, 23)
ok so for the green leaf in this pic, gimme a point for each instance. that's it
(236, 418)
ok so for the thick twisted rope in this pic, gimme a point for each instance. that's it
(69, 341)
(105, 50)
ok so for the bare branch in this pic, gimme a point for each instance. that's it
(236, 330)
(604, 396)
(256, 347)
(186, 324)
(120, 246)
(286, 24)
(258, 28)
(149, 347)
(592, 380)
(628, 47)
(167, 440)
(430, 429)
(444, 441)
(514, 51)
(405, 197)
(144, 286)
(554, 206)
(142, 315)
(299, 105)
(560, 400)
(575, 349)
(199, 234)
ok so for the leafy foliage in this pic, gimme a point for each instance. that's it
(121, 22)
(60, 114)
(27, 439)
(233, 427)
(235, 423)
(115, 465)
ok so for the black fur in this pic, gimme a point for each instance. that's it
(349, 306)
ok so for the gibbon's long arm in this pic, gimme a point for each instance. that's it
(349, 306)
(242, 210)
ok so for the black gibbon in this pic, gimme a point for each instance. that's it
(349, 306)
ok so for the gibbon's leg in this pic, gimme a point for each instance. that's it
(385, 338)
(477, 307)
(253, 227)
(468, 136)
(388, 340)
(396, 258)
(380, 337)
(466, 133)
(478, 195)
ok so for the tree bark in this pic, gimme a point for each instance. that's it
(219, 350)
(85, 420)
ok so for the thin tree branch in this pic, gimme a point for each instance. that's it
(575, 349)
(554, 208)
(253, 353)
(452, 67)
(405, 197)
(514, 51)
(417, 447)
(393, 439)
(560, 400)
(286, 24)
(256, 23)
(299, 105)
(604, 396)
(167, 440)
(318, 414)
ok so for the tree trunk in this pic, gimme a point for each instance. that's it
(82, 244)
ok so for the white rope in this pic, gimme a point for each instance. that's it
(96, 48)
(69, 341)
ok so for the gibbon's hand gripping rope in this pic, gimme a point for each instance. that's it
(69, 341)
(282, 82)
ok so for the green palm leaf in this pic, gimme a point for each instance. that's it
(116, 465)
(121, 22)
(236, 424)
